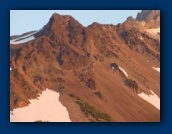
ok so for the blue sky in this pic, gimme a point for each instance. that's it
(22, 21)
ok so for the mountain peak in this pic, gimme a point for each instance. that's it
(58, 24)
(57, 17)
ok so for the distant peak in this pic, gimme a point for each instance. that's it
(150, 17)
(146, 15)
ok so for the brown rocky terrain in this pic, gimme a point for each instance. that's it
(77, 62)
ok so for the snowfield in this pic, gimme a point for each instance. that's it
(25, 38)
(152, 99)
(46, 107)
(123, 71)
(154, 31)
(157, 69)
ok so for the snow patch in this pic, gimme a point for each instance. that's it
(152, 99)
(154, 31)
(10, 68)
(25, 38)
(141, 37)
(123, 71)
(30, 38)
(46, 107)
(157, 69)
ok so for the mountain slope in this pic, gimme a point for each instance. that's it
(86, 66)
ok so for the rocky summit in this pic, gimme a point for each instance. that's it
(99, 70)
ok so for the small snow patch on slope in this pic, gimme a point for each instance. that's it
(152, 99)
(141, 37)
(25, 38)
(154, 31)
(123, 71)
(47, 107)
(157, 69)
(30, 38)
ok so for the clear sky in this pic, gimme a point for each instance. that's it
(22, 21)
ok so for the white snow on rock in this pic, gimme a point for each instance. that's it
(23, 40)
(10, 68)
(141, 37)
(154, 31)
(123, 71)
(152, 99)
(157, 69)
(46, 107)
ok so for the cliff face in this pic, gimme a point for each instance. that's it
(77, 61)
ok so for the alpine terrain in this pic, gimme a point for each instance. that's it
(98, 73)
